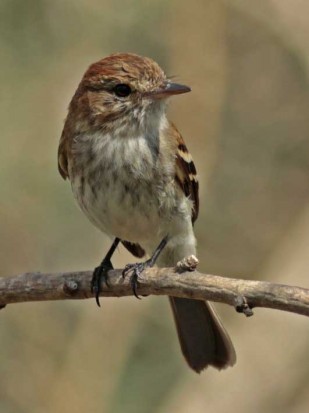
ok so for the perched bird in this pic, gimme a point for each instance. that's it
(133, 177)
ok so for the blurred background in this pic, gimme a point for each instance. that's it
(246, 124)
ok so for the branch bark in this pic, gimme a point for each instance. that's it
(242, 294)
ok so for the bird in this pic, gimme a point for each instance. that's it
(132, 175)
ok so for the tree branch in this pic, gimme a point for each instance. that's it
(179, 282)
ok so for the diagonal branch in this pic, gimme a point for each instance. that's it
(242, 294)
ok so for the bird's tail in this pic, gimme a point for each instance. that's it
(203, 339)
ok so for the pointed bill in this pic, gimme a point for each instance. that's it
(168, 90)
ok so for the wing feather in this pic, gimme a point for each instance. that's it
(185, 173)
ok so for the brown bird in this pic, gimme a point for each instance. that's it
(133, 177)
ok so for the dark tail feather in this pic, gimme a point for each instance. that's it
(203, 339)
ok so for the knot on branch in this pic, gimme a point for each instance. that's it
(242, 306)
(70, 287)
(187, 264)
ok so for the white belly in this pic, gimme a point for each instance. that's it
(119, 211)
(127, 193)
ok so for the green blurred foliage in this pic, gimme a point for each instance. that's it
(246, 124)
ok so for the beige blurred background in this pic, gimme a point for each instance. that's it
(246, 123)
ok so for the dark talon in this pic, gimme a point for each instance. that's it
(134, 284)
(127, 269)
(139, 267)
(136, 269)
(102, 270)
(99, 273)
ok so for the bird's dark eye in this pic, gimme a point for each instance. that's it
(122, 90)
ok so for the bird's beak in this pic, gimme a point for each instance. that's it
(167, 90)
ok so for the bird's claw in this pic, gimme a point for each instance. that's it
(136, 270)
(99, 273)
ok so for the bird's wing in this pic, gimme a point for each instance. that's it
(62, 156)
(186, 176)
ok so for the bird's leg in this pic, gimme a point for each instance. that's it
(139, 267)
(102, 270)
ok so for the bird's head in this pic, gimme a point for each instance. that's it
(122, 91)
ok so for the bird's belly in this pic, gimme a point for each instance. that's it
(129, 212)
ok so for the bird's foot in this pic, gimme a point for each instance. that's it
(100, 273)
(136, 270)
